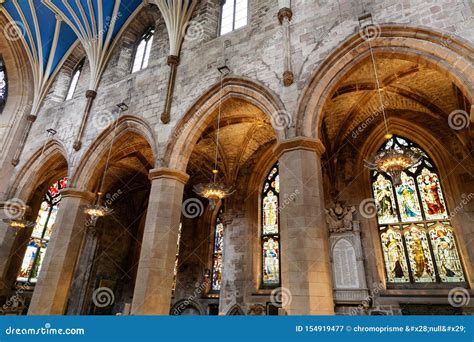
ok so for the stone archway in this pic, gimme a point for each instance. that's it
(422, 45)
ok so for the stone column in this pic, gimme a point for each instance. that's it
(51, 292)
(152, 295)
(305, 259)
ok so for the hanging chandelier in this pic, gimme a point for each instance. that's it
(391, 160)
(97, 209)
(215, 190)
(19, 223)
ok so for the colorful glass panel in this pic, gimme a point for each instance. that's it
(384, 200)
(408, 200)
(431, 195)
(394, 255)
(3, 85)
(175, 271)
(41, 233)
(271, 261)
(446, 253)
(217, 254)
(270, 229)
(428, 244)
(419, 255)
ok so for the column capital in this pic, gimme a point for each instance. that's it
(164, 172)
(91, 94)
(299, 143)
(73, 192)
(172, 60)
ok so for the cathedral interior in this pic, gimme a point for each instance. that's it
(236, 157)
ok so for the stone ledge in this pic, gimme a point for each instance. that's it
(168, 173)
(299, 143)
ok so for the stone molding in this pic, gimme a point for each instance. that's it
(299, 143)
(178, 175)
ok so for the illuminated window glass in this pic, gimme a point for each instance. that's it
(270, 236)
(39, 239)
(233, 15)
(3, 85)
(175, 272)
(218, 246)
(143, 50)
(417, 239)
(74, 80)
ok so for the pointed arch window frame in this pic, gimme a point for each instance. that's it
(424, 225)
(73, 83)
(148, 38)
(52, 199)
(234, 11)
(272, 175)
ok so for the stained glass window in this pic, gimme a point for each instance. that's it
(175, 271)
(270, 236)
(143, 50)
(3, 85)
(74, 80)
(417, 239)
(38, 242)
(233, 15)
(218, 246)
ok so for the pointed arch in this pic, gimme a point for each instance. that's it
(199, 116)
(418, 44)
(90, 164)
(235, 310)
(47, 165)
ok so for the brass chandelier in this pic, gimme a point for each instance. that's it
(215, 190)
(390, 160)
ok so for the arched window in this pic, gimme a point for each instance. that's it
(270, 233)
(74, 80)
(3, 85)
(417, 238)
(38, 242)
(175, 272)
(233, 15)
(143, 50)
(216, 275)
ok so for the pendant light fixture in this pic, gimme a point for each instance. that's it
(98, 209)
(215, 190)
(392, 160)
